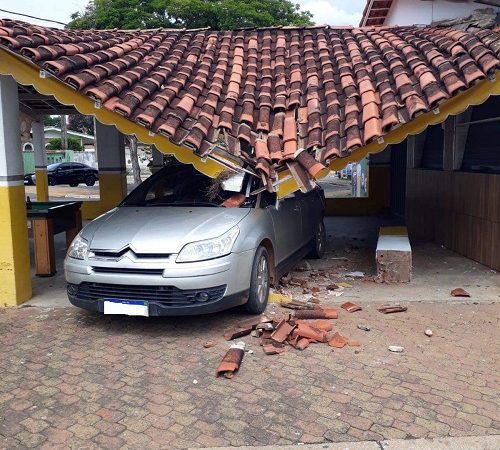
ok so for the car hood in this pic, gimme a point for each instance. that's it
(159, 229)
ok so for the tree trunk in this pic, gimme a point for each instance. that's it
(64, 133)
(134, 160)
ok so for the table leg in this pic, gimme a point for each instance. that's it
(43, 235)
(72, 232)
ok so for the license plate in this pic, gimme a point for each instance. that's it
(126, 307)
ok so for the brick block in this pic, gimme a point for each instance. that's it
(393, 255)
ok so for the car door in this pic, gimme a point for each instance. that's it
(312, 211)
(63, 173)
(287, 222)
(78, 172)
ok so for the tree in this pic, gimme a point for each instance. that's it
(51, 121)
(73, 144)
(134, 159)
(82, 124)
(216, 14)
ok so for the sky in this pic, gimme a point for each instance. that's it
(331, 12)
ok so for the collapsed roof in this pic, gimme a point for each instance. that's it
(265, 99)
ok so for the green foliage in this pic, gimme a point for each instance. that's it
(73, 144)
(82, 124)
(51, 121)
(216, 14)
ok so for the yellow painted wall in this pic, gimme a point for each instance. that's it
(15, 271)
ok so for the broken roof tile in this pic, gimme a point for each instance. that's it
(355, 84)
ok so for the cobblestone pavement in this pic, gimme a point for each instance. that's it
(78, 380)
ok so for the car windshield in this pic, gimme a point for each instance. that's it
(182, 185)
(52, 167)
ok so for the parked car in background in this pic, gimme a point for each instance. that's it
(183, 243)
(346, 172)
(72, 173)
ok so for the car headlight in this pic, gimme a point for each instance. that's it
(210, 248)
(78, 248)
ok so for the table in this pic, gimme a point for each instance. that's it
(48, 219)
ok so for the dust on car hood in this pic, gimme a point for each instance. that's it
(159, 229)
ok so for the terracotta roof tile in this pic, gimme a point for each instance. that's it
(310, 94)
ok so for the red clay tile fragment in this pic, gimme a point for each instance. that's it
(351, 307)
(307, 331)
(327, 313)
(459, 292)
(388, 309)
(236, 333)
(302, 344)
(337, 341)
(231, 361)
(270, 349)
(282, 330)
(235, 201)
(322, 325)
(254, 321)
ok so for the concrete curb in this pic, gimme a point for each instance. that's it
(491, 442)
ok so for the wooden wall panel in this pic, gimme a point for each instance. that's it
(456, 209)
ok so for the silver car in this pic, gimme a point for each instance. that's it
(183, 243)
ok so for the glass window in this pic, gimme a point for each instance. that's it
(482, 148)
(180, 185)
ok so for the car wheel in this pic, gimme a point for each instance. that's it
(259, 283)
(73, 184)
(319, 242)
(51, 181)
(90, 180)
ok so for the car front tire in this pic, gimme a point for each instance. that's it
(259, 283)
(90, 180)
(51, 181)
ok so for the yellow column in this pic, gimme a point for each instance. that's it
(42, 185)
(112, 187)
(15, 271)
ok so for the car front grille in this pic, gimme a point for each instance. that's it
(123, 271)
(168, 295)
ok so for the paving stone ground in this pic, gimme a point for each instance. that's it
(72, 379)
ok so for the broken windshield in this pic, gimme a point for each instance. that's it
(182, 185)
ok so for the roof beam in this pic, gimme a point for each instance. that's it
(35, 113)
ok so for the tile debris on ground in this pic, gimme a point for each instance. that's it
(71, 379)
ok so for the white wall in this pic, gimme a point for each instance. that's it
(412, 12)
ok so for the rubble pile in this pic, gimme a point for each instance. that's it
(301, 322)
(308, 323)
